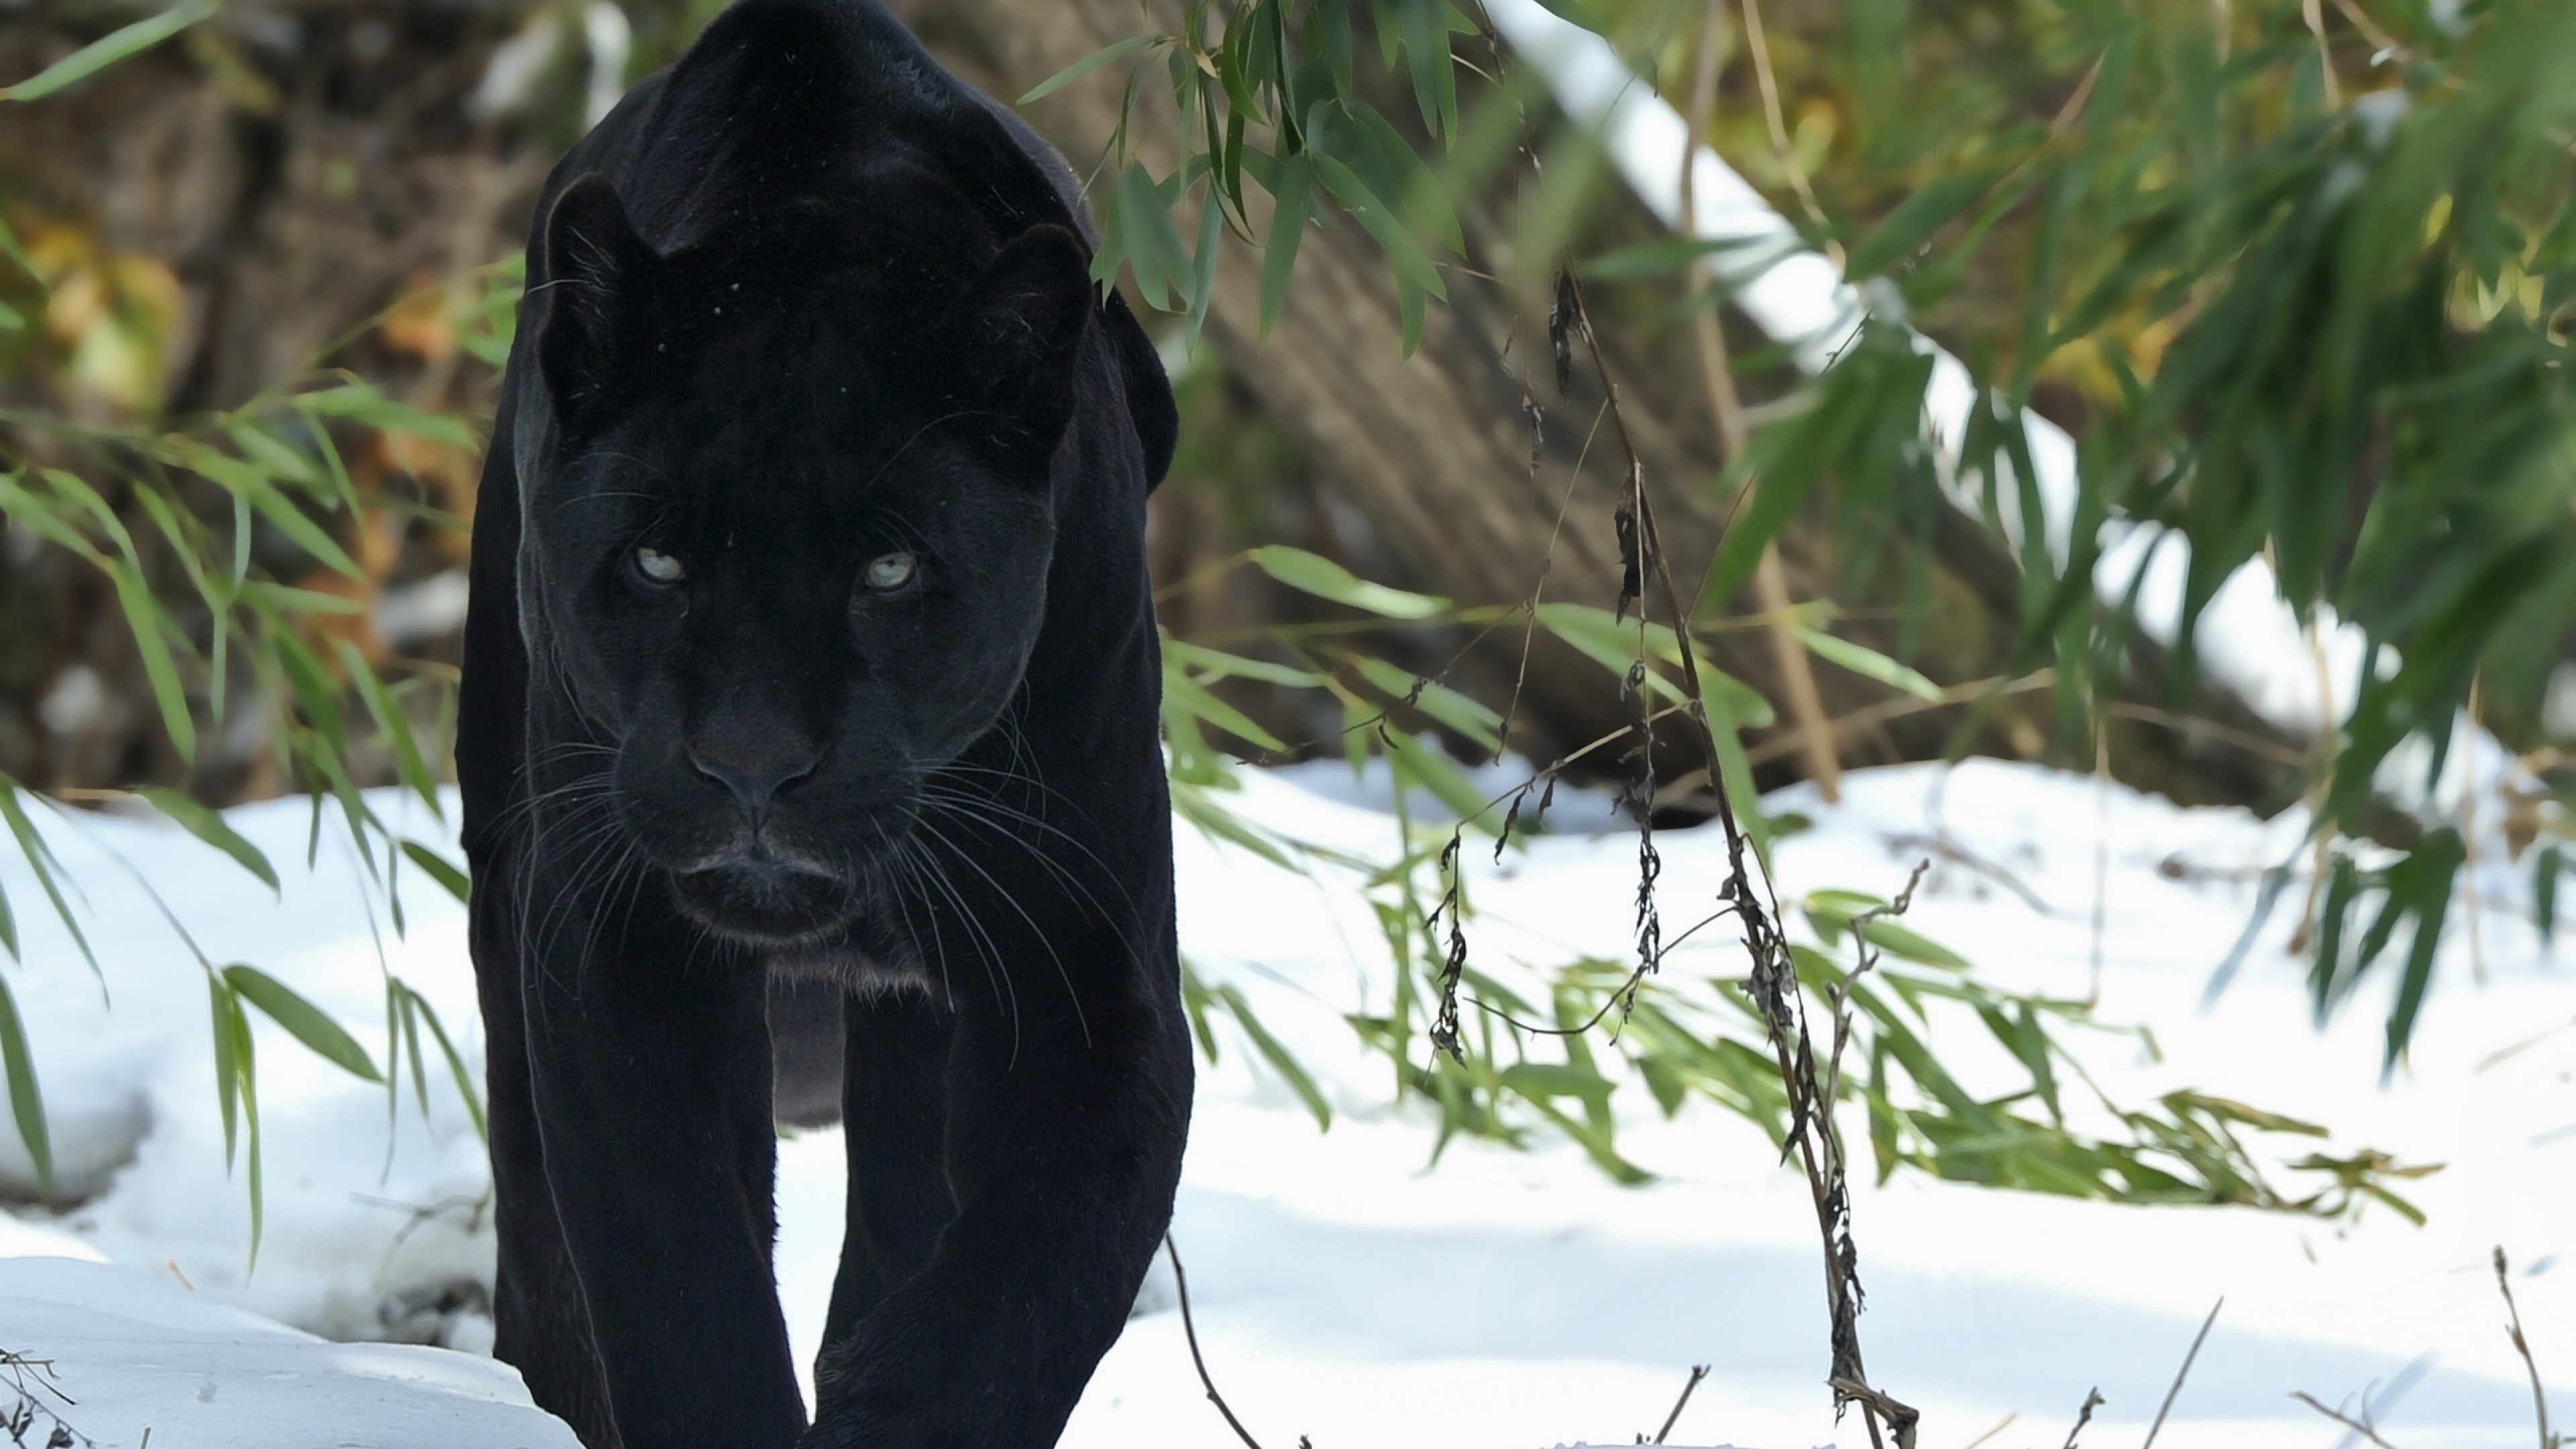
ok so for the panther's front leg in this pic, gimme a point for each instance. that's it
(1064, 1148)
(649, 1058)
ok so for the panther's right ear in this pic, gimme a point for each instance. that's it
(599, 272)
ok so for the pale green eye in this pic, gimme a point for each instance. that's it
(891, 571)
(658, 566)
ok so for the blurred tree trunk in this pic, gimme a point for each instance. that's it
(221, 207)
(1434, 451)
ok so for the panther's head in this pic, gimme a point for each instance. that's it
(789, 544)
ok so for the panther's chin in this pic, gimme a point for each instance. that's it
(765, 902)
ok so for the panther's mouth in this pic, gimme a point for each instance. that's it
(762, 897)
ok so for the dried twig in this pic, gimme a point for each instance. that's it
(1698, 1371)
(1189, 1327)
(33, 1381)
(2309, 11)
(2361, 1426)
(2083, 1416)
(2182, 1373)
(2521, 1345)
(1773, 982)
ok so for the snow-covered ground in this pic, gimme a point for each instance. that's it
(1343, 1291)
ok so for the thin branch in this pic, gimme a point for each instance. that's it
(1189, 1327)
(2521, 1345)
(2386, 42)
(2361, 1426)
(2315, 15)
(2083, 1416)
(2182, 1373)
(1788, 157)
(1698, 1371)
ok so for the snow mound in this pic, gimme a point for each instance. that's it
(111, 1354)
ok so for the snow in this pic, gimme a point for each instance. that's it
(124, 1352)
(1343, 1291)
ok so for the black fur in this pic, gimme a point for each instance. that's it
(802, 305)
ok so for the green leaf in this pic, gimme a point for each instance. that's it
(1868, 663)
(1439, 701)
(1184, 693)
(1106, 55)
(145, 619)
(245, 1059)
(303, 1020)
(40, 859)
(1154, 252)
(26, 1106)
(1293, 200)
(1382, 224)
(2544, 892)
(219, 999)
(281, 510)
(1660, 257)
(409, 1043)
(1278, 1056)
(393, 724)
(1912, 223)
(13, 252)
(108, 49)
(440, 869)
(1429, 766)
(1612, 643)
(1325, 579)
(1912, 945)
(360, 402)
(208, 825)
(1776, 499)
(1217, 664)
(464, 1079)
(1193, 803)
(265, 449)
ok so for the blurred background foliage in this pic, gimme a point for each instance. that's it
(2295, 274)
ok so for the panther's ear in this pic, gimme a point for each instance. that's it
(1148, 389)
(599, 272)
(1010, 344)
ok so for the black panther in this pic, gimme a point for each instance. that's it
(811, 667)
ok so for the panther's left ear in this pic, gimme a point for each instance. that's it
(1148, 389)
(1011, 342)
(600, 273)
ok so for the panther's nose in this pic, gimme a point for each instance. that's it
(755, 776)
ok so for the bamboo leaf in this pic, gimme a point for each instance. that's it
(40, 859)
(440, 869)
(1182, 692)
(108, 49)
(1106, 55)
(1293, 199)
(303, 1020)
(1314, 574)
(464, 1079)
(1281, 1060)
(26, 1105)
(208, 825)
(1437, 700)
(1868, 663)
